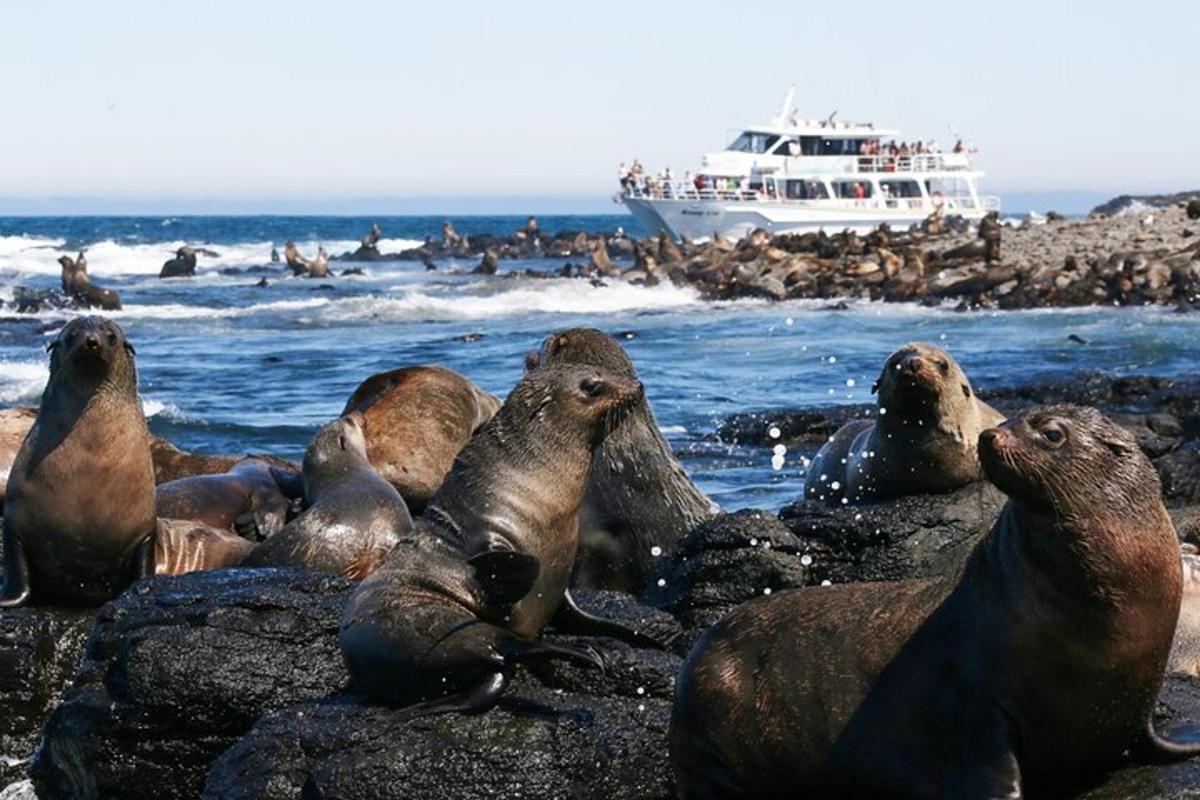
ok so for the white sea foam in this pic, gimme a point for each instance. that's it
(21, 382)
(22, 790)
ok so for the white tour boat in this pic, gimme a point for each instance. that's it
(798, 175)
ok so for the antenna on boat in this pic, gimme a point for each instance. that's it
(785, 110)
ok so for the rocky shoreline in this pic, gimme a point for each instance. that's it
(230, 684)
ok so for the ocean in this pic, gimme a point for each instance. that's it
(229, 367)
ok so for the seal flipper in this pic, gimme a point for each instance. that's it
(144, 561)
(504, 576)
(1156, 748)
(476, 700)
(16, 574)
(570, 618)
(517, 650)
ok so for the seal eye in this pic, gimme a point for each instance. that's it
(1053, 435)
(112, 338)
(592, 387)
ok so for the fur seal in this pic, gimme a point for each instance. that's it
(298, 263)
(923, 439)
(1185, 649)
(319, 266)
(353, 517)
(247, 499)
(70, 535)
(416, 420)
(459, 601)
(639, 499)
(77, 284)
(1032, 672)
(172, 464)
(183, 546)
(14, 427)
(183, 265)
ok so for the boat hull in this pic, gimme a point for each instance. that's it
(701, 219)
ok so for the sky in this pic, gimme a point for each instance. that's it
(356, 105)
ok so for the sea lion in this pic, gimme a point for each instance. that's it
(183, 265)
(172, 464)
(353, 517)
(184, 545)
(79, 519)
(77, 285)
(639, 502)
(14, 427)
(319, 266)
(247, 499)
(416, 420)
(460, 600)
(1032, 672)
(923, 438)
(298, 263)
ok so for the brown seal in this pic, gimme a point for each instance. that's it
(183, 545)
(76, 284)
(353, 517)
(1185, 648)
(640, 502)
(298, 263)
(487, 566)
(319, 266)
(416, 420)
(247, 498)
(1032, 672)
(923, 438)
(183, 265)
(79, 517)
(14, 427)
(172, 464)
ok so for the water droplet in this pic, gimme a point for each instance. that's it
(754, 542)
(827, 583)
(641, 690)
(767, 590)
(780, 450)
(835, 485)
(882, 411)
(662, 581)
(806, 559)
(833, 359)
(849, 383)
(774, 432)
(789, 321)
(656, 551)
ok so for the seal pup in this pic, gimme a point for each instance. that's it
(923, 439)
(79, 518)
(353, 517)
(183, 265)
(457, 603)
(416, 420)
(183, 546)
(1034, 671)
(639, 502)
(246, 499)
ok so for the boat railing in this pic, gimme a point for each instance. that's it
(919, 162)
(655, 189)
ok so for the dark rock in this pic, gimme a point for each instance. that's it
(178, 669)
(39, 650)
(1125, 201)
(1179, 472)
(804, 426)
(1193, 208)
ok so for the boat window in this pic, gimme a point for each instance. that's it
(855, 190)
(788, 147)
(806, 190)
(900, 188)
(810, 145)
(750, 142)
(841, 147)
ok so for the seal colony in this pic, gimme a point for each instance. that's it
(1031, 668)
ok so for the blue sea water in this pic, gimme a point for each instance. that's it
(227, 366)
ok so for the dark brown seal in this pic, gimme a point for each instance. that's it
(183, 265)
(297, 262)
(1033, 672)
(487, 567)
(416, 420)
(640, 502)
(76, 284)
(923, 438)
(247, 499)
(79, 517)
(172, 464)
(183, 546)
(353, 517)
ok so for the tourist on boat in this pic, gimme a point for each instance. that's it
(960, 147)
(860, 192)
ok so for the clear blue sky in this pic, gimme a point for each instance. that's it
(327, 102)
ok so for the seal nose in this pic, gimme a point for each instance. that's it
(91, 341)
(991, 437)
(914, 364)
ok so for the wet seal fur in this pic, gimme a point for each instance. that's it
(1033, 672)
(353, 517)
(416, 420)
(639, 498)
(438, 626)
(79, 520)
(247, 499)
(183, 546)
(922, 441)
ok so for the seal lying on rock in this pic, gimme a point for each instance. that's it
(463, 598)
(922, 441)
(353, 517)
(639, 502)
(183, 545)
(79, 518)
(1034, 671)
(76, 284)
(415, 420)
(247, 498)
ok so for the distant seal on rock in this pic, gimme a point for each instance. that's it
(923, 439)
(247, 499)
(77, 284)
(183, 265)
(416, 420)
(639, 502)
(319, 266)
(298, 263)
(461, 600)
(183, 546)
(1031, 673)
(1193, 208)
(353, 517)
(79, 518)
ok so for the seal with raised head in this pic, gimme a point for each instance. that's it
(923, 440)
(183, 265)
(79, 518)
(416, 420)
(487, 567)
(247, 499)
(1034, 671)
(639, 502)
(298, 263)
(319, 266)
(77, 284)
(353, 517)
